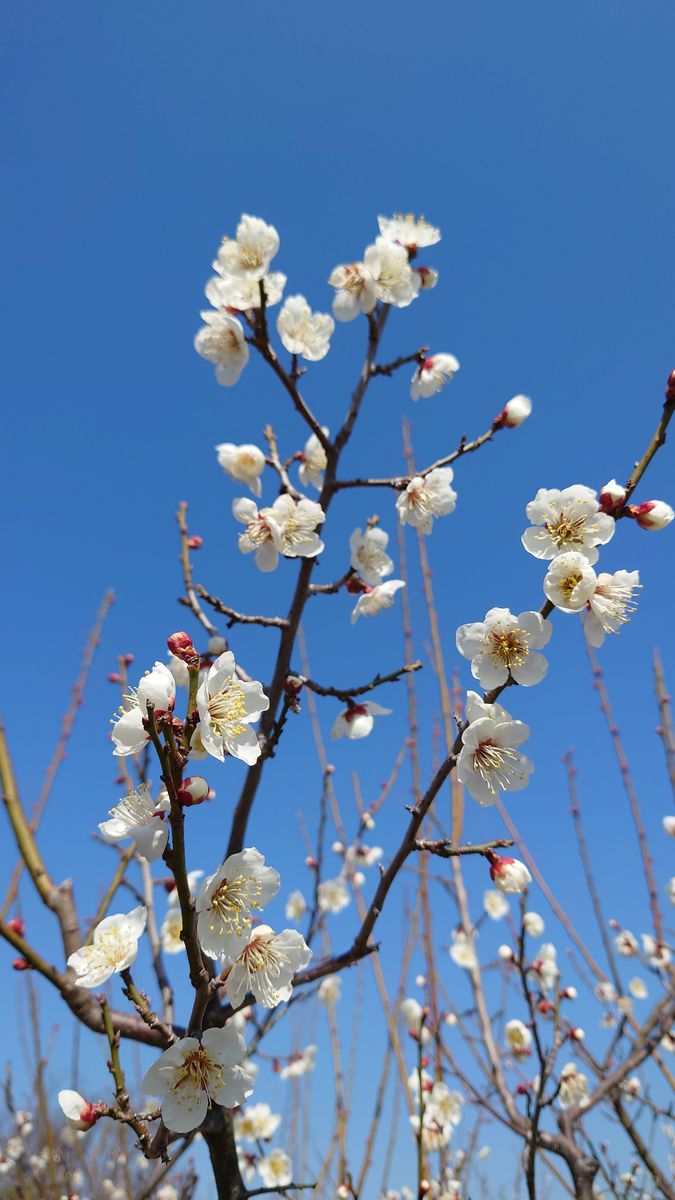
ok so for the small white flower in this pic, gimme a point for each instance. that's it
(357, 720)
(570, 582)
(515, 411)
(505, 952)
(567, 520)
(518, 1038)
(412, 232)
(266, 966)
(669, 825)
(296, 522)
(137, 816)
(544, 968)
(275, 1169)
(313, 462)
(221, 342)
(227, 706)
(654, 514)
(256, 1121)
(573, 1087)
(445, 1104)
(376, 599)
(363, 856)
(170, 933)
(79, 1113)
(302, 331)
(296, 907)
(432, 375)
(244, 463)
(503, 645)
(330, 990)
(241, 886)
(354, 291)
(463, 949)
(626, 943)
(232, 292)
(368, 555)
(533, 924)
(495, 905)
(114, 948)
(510, 875)
(192, 1074)
(261, 537)
(611, 604)
(427, 497)
(657, 954)
(157, 687)
(490, 762)
(630, 1088)
(435, 1133)
(394, 280)
(248, 256)
(605, 992)
(301, 1062)
(638, 988)
(333, 895)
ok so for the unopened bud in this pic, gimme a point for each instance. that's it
(114, 677)
(355, 586)
(508, 874)
(17, 925)
(611, 496)
(193, 790)
(545, 1007)
(311, 863)
(127, 659)
(506, 953)
(21, 964)
(577, 1034)
(514, 413)
(337, 848)
(342, 1192)
(522, 1089)
(195, 542)
(180, 645)
(670, 388)
(653, 514)
(293, 685)
(428, 277)
(217, 645)
(569, 993)
(368, 820)
(421, 980)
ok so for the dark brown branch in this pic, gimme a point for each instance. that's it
(446, 849)
(349, 693)
(234, 617)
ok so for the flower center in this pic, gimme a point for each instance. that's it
(227, 708)
(136, 807)
(494, 764)
(196, 1071)
(566, 530)
(508, 647)
(233, 899)
(568, 584)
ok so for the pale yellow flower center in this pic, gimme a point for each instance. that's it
(568, 583)
(565, 530)
(508, 648)
(197, 1071)
(494, 765)
(233, 899)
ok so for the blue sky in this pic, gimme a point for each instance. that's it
(540, 138)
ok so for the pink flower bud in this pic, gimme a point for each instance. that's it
(311, 863)
(217, 645)
(653, 514)
(21, 964)
(508, 874)
(114, 677)
(514, 413)
(17, 926)
(193, 790)
(195, 542)
(180, 645)
(522, 1089)
(670, 388)
(611, 496)
(127, 659)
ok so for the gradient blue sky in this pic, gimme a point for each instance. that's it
(540, 138)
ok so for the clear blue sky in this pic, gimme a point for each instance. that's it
(540, 138)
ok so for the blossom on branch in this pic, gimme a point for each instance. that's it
(243, 295)
(495, 905)
(139, 817)
(354, 291)
(221, 342)
(266, 966)
(394, 280)
(568, 520)
(302, 331)
(503, 645)
(194, 1074)
(518, 1038)
(510, 875)
(227, 707)
(275, 1169)
(489, 761)
(652, 514)
(610, 604)
(412, 232)
(573, 1087)
(256, 1121)
(357, 720)
(227, 899)
(368, 554)
(114, 948)
(244, 463)
(157, 687)
(514, 412)
(432, 375)
(300, 1064)
(375, 599)
(247, 256)
(79, 1113)
(288, 528)
(313, 462)
(427, 497)
(570, 582)
(333, 895)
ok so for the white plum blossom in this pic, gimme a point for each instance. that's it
(170, 933)
(611, 604)
(573, 1087)
(243, 295)
(445, 1104)
(436, 1133)
(247, 256)
(275, 1169)
(313, 462)
(503, 645)
(266, 966)
(518, 1038)
(287, 528)
(412, 232)
(463, 949)
(79, 1113)
(570, 582)
(227, 707)
(256, 1121)
(139, 817)
(333, 895)
(394, 280)
(567, 520)
(656, 953)
(301, 1062)
(368, 554)
(357, 720)
(244, 463)
(221, 342)
(157, 687)
(302, 331)
(544, 968)
(490, 761)
(669, 825)
(330, 990)
(433, 374)
(495, 905)
(113, 948)
(226, 900)
(354, 291)
(653, 514)
(606, 992)
(510, 875)
(638, 988)
(427, 497)
(375, 599)
(191, 1075)
(626, 943)
(533, 924)
(515, 411)
(296, 907)
(670, 889)
(630, 1088)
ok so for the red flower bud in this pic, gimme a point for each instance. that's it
(670, 388)
(21, 964)
(114, 677)
(17, 926)
(193, 790)
(180, 645)
(355, 586)
(195, 542)
(127, 659)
